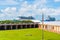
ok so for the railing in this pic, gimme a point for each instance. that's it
(18, 26)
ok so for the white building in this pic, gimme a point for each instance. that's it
(53, 26)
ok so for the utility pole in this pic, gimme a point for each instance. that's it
(42, 26)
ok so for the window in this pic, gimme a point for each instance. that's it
(52, 27)
(46, 26)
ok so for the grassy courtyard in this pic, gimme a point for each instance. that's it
(28, 34)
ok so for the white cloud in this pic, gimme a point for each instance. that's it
(26, 9)
(33, 11)
(38, 8)
(8, 13)
(8, 2)
(56, 0)
(13, 8)
(51, 11)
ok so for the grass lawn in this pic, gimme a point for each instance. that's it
(28, 34)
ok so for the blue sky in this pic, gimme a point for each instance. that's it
(11, 9)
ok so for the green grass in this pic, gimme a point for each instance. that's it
(28, 34)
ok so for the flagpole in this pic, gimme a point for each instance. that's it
(42, 26)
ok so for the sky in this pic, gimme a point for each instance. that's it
(11, 9)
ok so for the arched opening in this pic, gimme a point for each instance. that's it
(8, 27)
(32, 26)
(19, 26)
(28, 26)
(36, 25)
(13, 26)
(24, 26)
(2, 27)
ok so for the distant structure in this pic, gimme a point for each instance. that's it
(25, 18)
(50, 18)
(21, 18)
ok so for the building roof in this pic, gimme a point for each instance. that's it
(36, 21)
(57, 23)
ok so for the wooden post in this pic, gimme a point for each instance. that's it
(11, 27)
(34, 25)
(26, 25)
(16, 27)
(5, 27)
(56, 28)
(44, 26)
(30, 25)
(39, 26)
(21, 26)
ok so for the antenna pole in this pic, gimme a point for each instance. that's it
(42, 26)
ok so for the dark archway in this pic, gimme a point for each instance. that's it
(2, 27)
